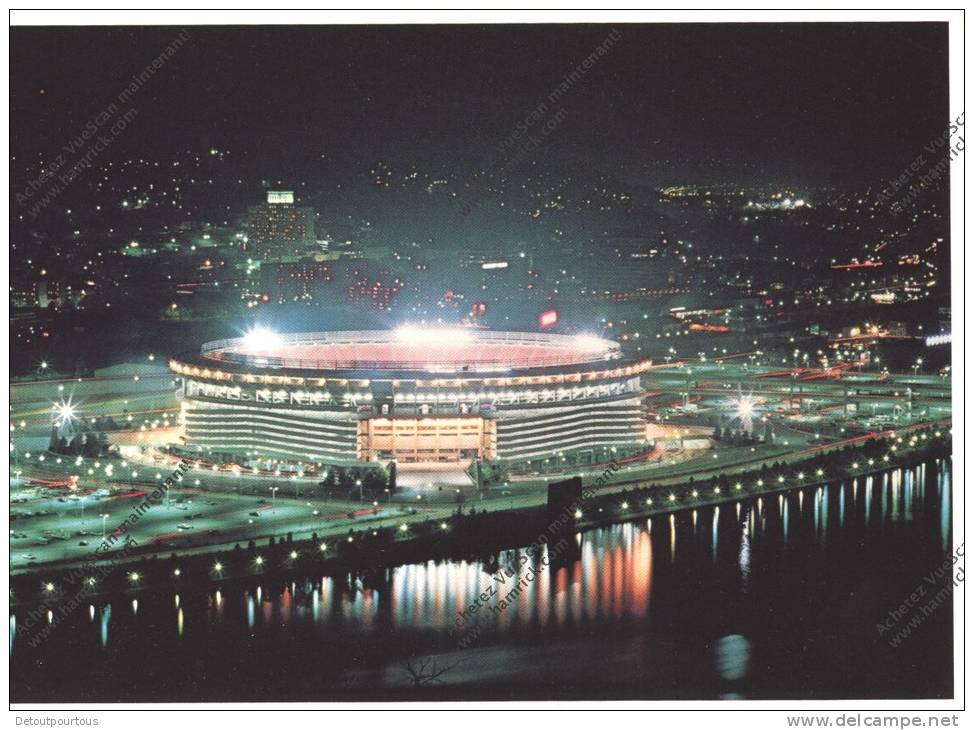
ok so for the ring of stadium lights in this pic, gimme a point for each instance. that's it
(560, 358)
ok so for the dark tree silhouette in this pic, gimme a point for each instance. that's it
(424, 672)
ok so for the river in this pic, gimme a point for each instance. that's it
(783, 596)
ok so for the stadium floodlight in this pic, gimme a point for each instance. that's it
(261, 338)
(413, 335)
(589, 343)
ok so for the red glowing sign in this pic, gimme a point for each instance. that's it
(549, 318)
(704, 327)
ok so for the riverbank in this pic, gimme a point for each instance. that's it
(462, 535)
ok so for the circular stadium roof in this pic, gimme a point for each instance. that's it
(412, 348)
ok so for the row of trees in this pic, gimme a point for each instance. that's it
(734, 437)
(89, 443)
(486, 473)
(373, 479)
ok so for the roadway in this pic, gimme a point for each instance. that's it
(49, 524)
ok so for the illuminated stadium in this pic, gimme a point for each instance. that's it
(413, 395)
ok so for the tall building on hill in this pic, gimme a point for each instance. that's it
(279, 229)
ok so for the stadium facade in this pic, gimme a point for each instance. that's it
(411, 395)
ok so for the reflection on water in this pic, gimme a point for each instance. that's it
(714, 534)
(106, 616)
(783, 505)
(733, 655)
(765, 579)
(611, 578)
(672, 538)
(943, 490)
(744, 552)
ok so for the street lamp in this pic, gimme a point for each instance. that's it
(65, 414)
(81, 501)
(104, 517)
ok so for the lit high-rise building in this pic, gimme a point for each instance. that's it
(279, 229)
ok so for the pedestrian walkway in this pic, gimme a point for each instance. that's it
(432, 478)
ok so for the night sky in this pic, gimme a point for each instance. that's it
(803, 103)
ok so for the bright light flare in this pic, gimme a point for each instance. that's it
(590, 343)
(437, 336)
(261, 338)
(744, 407)
(66, 412)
